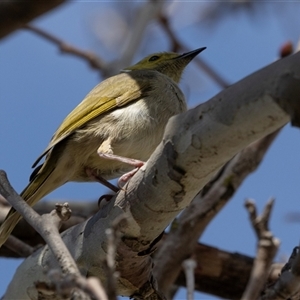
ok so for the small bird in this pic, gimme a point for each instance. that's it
(112, 131)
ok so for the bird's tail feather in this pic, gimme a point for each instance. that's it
(8, 226)
(34, 191)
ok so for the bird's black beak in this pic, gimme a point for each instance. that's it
(191, 54)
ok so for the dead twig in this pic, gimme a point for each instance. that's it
(113, 236)
(267, 247)
(189, 266)
(47, 226)
(177, 45)
(44, 224)
(94, 61)
(18, 246)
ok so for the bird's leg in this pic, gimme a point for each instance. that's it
(130, 161)
(106, 151)
(103, 181)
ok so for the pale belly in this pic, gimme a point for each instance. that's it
(126, 139)
(133, 131)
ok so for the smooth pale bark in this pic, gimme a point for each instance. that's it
(196, 144)
(192, 222)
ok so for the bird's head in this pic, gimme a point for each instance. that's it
(168, 63)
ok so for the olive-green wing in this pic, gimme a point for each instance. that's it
(112, 93)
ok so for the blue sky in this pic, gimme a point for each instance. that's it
(39, 87)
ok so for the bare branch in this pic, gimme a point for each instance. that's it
(47, 225)
(92, 286)
(204, 208)
(145, 14)
(24, 232)
(44, 224)
(177, 45)
(218, 271)
(266, 249)
(287, 286)
(15, 14)
(19, 247)
(196, 144)
(94, 61)
(113, 238)
(189, 266)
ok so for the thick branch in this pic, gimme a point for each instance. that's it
(183, 238)
(195, 146)
(222, 273)
(14, 14)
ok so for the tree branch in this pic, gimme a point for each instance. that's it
(143, 16)
(178, 45)
(222, 273)
(94, 61)
(189, 266)
(190, 225)
(287, 286)
(267, 247)
(47, 225)
(62, 283)
(195, 146)
(14, 14)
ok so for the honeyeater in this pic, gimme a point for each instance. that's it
(116, 127)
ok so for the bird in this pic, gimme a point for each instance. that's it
(112, 131)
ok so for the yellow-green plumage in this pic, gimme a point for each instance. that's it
(124, 115)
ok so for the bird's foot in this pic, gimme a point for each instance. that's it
(125, 177)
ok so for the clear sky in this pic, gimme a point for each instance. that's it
(39, 87)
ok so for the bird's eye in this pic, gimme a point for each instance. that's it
(153, 58)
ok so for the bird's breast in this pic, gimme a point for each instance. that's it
(132, 131)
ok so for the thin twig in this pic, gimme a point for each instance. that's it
(93, 287)
(18, 246)
(177, 44)
(47, 226)
(266, 249)
(144, 15)
(42, 224)
(94, 61)
(113, 238)
(189, 266)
